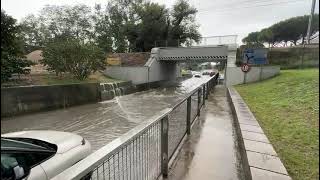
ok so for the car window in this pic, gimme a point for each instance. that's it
(27, 144)
(29, 159)
(14, 165)
(6, 143)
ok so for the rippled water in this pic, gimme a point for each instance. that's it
(102, 122)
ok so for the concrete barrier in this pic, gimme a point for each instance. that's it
(28, 99)
(234, 75)
(21, 100)
(259, 159)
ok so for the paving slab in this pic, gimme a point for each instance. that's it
(260, 158)
(254, 136)
(266, 162)
(251, 128)
(261, 174)
(249, 122)
(260, 147)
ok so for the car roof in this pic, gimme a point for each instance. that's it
(8, 144)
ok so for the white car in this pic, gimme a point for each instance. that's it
(197, 75)
(40, 155)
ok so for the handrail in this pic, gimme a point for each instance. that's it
(86, 165)
(94, 160)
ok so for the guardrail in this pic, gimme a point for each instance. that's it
(145, 151)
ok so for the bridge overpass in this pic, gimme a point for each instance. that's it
(164, 62)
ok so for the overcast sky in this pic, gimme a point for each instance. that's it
(216, 17)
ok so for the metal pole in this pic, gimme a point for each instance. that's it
(199, 99)
(164, 146)
(310, 21)
(188, 114)
(204, 95)
(245, 78)
(207, 90)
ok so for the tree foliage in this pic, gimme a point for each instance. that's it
(119, 26)
(183, 25)
(52, 21)
(76, 57)
(12, 60)
(290, 30)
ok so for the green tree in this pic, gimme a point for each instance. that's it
(12, 60)
(32, 33)
(183, 25)
(67, 54)
(266, 35)
(252, 40)
(290, 30)
(74, 21)
(152, 26)
(156, 23)
(102, 30)
(117, 21)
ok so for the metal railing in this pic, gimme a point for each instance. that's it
(144, 152)
(203, 41)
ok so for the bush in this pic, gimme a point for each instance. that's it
(12, 61)
(73, 56)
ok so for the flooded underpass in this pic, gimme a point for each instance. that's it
(102, 122)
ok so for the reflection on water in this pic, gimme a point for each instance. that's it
(102, 122)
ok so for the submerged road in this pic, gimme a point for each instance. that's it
(102, 122)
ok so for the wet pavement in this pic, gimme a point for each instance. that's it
(103, 122)
(210, 152)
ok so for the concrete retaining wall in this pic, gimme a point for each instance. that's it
(234, 75)
(137, 75)
(20, 100)
(157, 71)
(29, 99)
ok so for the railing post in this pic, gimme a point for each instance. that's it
(188, 114)
(204, 94)
(199, 99)
(164, 146)
(207, 90)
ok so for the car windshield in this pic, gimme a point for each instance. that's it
(26, 144)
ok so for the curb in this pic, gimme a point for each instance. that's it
(260, 160)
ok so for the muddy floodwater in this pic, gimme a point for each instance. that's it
(102, 122)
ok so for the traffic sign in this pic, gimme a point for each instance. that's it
(245, 67)
(255, 56)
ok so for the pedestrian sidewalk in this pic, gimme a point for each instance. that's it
(210, 152)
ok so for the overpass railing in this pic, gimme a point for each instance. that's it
(148, 150)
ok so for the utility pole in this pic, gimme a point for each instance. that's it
(310, 21)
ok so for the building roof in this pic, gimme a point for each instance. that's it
(35, 56)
